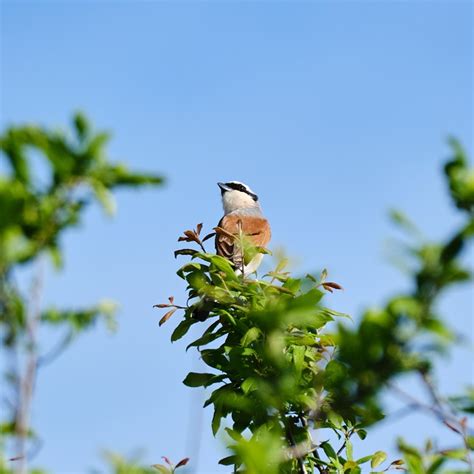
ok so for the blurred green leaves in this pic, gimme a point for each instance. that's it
(48, 179)
(283, 373)
(120, 465)
(407, 333)
(278, 369)
(36, 212)
(78, 172)
(460, 178)
(271, 363)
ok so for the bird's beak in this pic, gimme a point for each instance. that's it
(224, 187)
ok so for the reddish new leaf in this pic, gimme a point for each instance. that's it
(167, 316)
(184, 461)
(189, 236)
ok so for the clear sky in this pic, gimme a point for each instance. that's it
(332, 112)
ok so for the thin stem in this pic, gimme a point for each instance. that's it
(414, 402)
(55, 352)
(438, 408)
(292, 442)
(347, 435)
(27, 381)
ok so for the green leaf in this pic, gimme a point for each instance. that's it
(335, 373)
(194, 379)
(378, 458)
(364, 459)
(184, 252)
(105, 197)
(436, 464)
(228, 461)
(81, 124)
(216, 419)
(56, 257)
(182, 328)
(455, 453)
(349, 450)
(403, 222)
(350, 465)
(464, 402)
(250, 336)
(235, 435)
(292, 284)
(223, 265)
(161, 468)
(328, 450)
(249, 385)
(335, 419)
(207, 337)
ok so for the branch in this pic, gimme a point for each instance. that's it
(415, 403)
(296, 448)
(27, 381)
(438, 408)
(55, 352)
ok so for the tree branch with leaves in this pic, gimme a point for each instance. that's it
(35, 213)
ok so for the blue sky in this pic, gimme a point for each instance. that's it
(333, 112)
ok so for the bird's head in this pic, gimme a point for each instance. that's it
(236, 195)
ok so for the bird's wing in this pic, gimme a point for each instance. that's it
(256, 229)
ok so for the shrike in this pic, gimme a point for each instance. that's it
(242, 213)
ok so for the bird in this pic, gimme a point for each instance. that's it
(242, 214)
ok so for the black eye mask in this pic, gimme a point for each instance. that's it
(241, 188)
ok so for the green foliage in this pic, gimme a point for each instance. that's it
(431, 460)
(464, 402)
(34, 213)
(406, 334)
(460, 178)
(280, 364)
(271, 364)
(119, 465)
(39, 201)
(279, 370)
(170, 468)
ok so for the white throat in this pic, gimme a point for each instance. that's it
(237, 200)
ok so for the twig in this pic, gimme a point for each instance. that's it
(202, 246)
(339, 451)
(428, 383)
(400, 413)
(27, 382)
(466, 444)
(55, 352)
(347, 435)
(291, 439)
(415, 403)
(438, 408)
